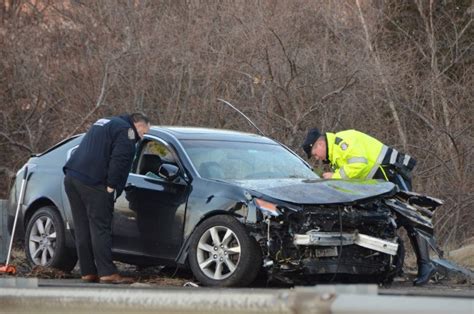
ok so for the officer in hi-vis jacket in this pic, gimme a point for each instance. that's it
(355, 155)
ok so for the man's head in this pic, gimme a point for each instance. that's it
(141, 123)
(315, 145)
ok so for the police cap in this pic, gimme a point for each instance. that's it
(311, 137)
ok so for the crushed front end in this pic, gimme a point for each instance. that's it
(317, 243)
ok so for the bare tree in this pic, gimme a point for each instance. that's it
(400, 71)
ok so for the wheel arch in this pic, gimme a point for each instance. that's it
(37, 204)
(240, 269)
(182, 257)
(67, 256)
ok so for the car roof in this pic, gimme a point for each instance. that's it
(194, 133)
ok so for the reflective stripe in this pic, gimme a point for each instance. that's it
(406, 160)
(354, 160)
(343, 173)
(377, 162)
(393, 157)
(373, 171)
(382, 154)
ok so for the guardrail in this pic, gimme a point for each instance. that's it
(317, 299)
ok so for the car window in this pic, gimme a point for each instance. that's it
(56, 146)
(71, 151)
(228, 160)
(152, 156)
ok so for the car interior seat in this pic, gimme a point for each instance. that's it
(150, 163)
(211, 170)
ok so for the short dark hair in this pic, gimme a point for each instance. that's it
(139, 117)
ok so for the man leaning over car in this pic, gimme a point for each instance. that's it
(95, 176)
(355, 155)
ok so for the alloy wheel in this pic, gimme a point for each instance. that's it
(42, 241)
(218, 252)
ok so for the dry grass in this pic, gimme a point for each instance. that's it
(463, 256)
(154, 276)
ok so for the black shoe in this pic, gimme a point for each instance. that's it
(425, 271)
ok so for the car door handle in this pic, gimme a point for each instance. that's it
(129, 187)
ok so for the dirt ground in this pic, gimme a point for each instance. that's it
(172, 277)
(153, 276)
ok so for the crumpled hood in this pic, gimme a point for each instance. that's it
(305, 192)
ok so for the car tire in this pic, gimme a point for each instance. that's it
(223, 254)
(45, 241)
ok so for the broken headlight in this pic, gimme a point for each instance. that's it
(267, 208)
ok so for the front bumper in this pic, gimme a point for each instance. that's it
(317, 238)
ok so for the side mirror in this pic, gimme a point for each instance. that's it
(168, 171)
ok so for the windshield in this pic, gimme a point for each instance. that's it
(224, 160)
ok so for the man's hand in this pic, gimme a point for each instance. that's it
(110, 190)
(327, 175)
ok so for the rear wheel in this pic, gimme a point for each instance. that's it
(222, 253)
(45, 241)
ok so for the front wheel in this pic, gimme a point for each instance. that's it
(223, 254)
(45, 241)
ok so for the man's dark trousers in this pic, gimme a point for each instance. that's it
(92, 211)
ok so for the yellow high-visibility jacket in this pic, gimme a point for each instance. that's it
(354, 155)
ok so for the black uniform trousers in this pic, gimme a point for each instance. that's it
(393, 176)
(92, 211)
(403, 184)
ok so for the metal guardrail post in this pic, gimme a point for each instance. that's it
(4, 235)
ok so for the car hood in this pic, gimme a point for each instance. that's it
(303, 191)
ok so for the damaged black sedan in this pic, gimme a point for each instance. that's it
(227, 205)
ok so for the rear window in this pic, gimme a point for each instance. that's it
(57, 145)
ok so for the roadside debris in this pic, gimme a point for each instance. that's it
(453, 272)
(48, 273)
(191, 284)
(7, 268)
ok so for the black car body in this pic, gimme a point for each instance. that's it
(226, 204)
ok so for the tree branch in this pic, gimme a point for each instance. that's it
(99, 102)
(15, 143)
